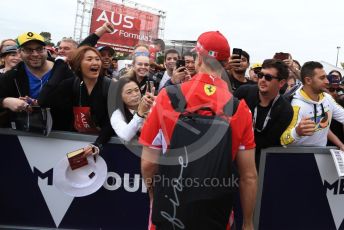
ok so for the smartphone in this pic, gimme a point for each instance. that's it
(180, 63)
(238, 52)
(149, 86)
(281, 56)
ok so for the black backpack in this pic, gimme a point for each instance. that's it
(200, 150)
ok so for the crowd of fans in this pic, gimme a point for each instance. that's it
(68, 76)
(290, 104)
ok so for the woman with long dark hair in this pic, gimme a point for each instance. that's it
(130, 108)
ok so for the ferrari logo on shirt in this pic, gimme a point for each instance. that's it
(209, 89)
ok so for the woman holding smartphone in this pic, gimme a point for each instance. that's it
(140, 73)
(130, 108)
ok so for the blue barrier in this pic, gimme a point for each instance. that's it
(28, 197)
(299, 188)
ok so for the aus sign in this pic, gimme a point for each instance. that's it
(131, 25)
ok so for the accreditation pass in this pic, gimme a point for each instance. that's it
(338, 158)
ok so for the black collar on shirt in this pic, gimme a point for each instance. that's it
(235, 83)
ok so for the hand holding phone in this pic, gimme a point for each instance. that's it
(149, 86)
(237, 53)
(281, 56)
(180, 63)
(178, 75)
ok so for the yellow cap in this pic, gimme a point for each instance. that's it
(256, 65)
(29, 36)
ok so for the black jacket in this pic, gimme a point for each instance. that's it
(281, 116)
(68, 93)
(235, 84)
(18, 74)
(15, 83)
(90, 40)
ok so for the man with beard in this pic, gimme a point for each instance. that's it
(236, 69)
(29, 76)
(313, 109)
(21, 86)
(271, 113)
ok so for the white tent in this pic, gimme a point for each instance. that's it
(328, 67)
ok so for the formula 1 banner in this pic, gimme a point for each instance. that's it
(131, 25)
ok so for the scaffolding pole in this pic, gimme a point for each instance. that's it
(82, 19)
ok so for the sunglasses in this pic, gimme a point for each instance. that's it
(267, 77)
(143, 53)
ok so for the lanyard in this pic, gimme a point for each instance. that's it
(80, 87)
(267, 118)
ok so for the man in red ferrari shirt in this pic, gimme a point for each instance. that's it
(205, 89)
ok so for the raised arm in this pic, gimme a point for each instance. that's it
(92, 39)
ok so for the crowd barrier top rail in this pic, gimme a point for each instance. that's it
(66, 135)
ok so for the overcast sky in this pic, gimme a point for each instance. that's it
(308, 29)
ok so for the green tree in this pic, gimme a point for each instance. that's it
(342, 64)
(47, 38)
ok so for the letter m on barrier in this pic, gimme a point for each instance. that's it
(41, 175)
(333, 186)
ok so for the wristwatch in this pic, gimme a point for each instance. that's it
(139, 115)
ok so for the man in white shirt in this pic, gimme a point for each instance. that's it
(171, 57)
(313, 109)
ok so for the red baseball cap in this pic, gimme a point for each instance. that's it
(213, 44)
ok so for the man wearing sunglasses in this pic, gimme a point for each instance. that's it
(271, 112)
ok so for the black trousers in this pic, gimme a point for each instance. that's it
(201, 215)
